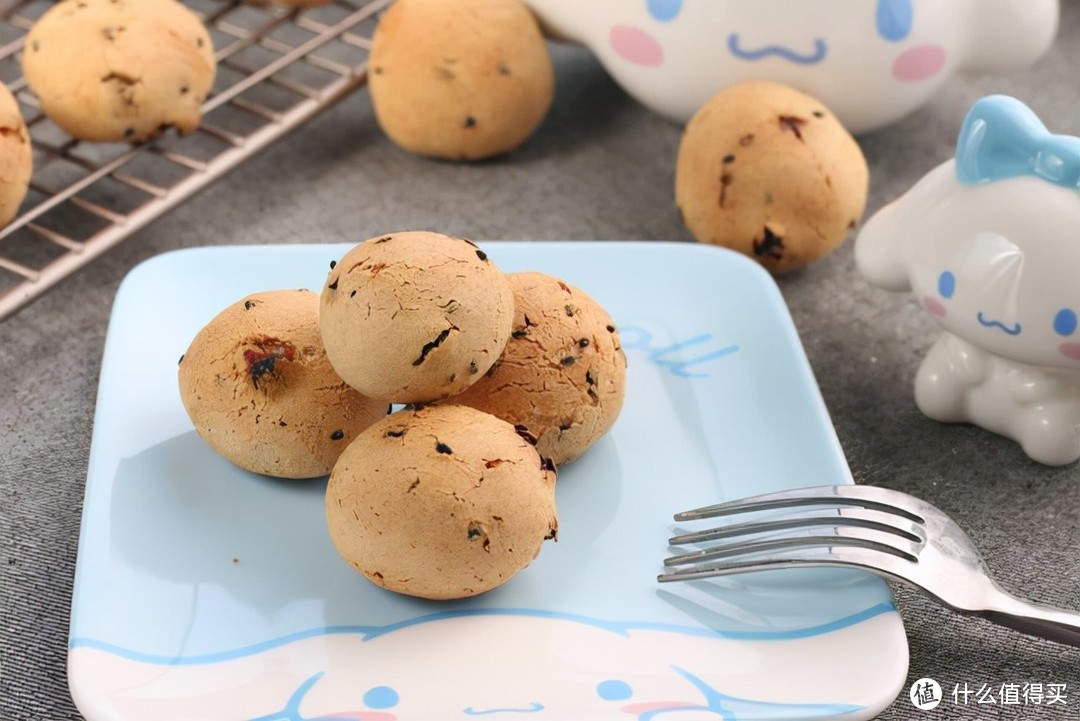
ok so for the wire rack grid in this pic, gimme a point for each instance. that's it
(276, 69)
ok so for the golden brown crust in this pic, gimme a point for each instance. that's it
(415, 316)
(562, 374)
(120, 70)
(16, 157)
(442, 502)
(768, 171)
(258, 387)
(461, 80)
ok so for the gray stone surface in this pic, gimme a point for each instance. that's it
(600, 168)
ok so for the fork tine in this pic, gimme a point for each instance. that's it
(859, 537)
(848, 517)
(845, 495)
(875, 561)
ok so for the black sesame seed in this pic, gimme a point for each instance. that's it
(470, 122)
(390, 409)
(333, 286)
(443, 448)
(611, 329)
(481, 255)
(333, 264)
(819, 114)
(729, 159)
(337, 435)
(249, 304)
(180, 361)
(568, 360)
(395, 434)
(519, 333)
(583, 343)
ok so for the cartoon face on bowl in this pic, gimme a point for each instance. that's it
(870, 61)
(990, 245)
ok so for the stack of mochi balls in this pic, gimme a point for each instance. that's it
(437, 392)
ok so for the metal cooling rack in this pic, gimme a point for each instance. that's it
(276, 69)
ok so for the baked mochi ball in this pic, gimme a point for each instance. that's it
(120, 70)
(562, 374)
(768, 171)
(258, 387)
(460, 79)
(415, 316)
(440, 502)
(16, 157)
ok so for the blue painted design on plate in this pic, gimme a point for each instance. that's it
(367, 633)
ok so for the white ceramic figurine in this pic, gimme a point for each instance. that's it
(990, 243)
(870, 61)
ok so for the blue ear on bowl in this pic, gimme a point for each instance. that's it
(895, 18)
(1003, 138)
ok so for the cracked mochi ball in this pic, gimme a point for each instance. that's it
(415, 316)
(460, 80)
(768, 171)
(120, 70)
(16, 157)
(260, 391)
(442, 502)
(562, 374)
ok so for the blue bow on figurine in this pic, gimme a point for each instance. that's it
(1003, 138)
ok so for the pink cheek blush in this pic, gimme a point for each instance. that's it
(637, 46)
(1070, 350)
(919, 63)
(934, 306)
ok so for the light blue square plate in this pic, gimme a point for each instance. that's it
(204, 592)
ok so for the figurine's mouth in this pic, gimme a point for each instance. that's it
(767, 51)
(1011, 330)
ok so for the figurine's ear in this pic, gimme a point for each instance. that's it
(887, 242)
(1010, 34)
(879, 250)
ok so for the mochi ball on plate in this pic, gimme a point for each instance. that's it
(441, 502)
(415, 316)
(260, 391)
(562, 374)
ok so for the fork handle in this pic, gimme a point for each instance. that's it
(1047, 622)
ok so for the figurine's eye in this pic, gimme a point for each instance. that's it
(614, 690)
(381, 697)
(946, 284)
(1065, 322)
(895, 19)
(664, 10)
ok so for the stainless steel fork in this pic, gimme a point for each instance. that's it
(887, 532)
